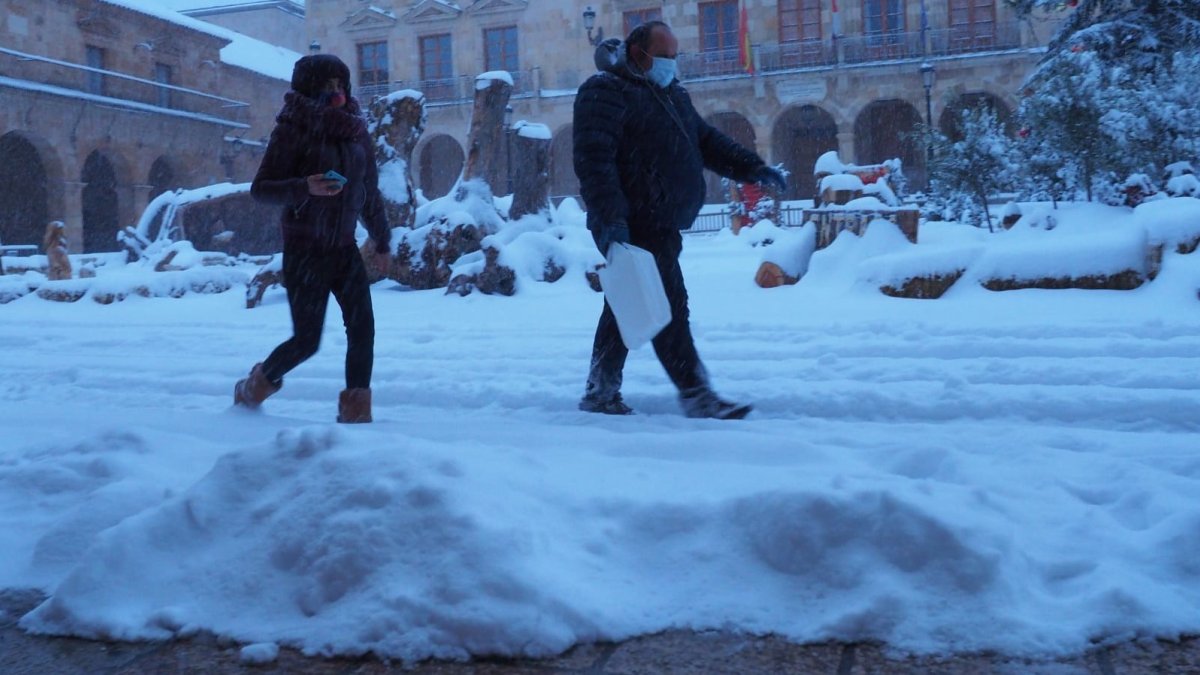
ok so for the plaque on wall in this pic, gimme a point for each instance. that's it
(806, 90)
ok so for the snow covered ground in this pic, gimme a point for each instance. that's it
(1013, 471)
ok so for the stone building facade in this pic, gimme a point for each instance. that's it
(103, 106)
(851, 82)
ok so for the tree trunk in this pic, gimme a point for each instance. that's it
(485, 154)
(531, 170)
(395, 135)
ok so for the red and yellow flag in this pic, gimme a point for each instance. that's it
(745, 54)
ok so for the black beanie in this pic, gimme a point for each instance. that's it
(312, 72)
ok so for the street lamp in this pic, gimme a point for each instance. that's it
(928, 77)
(589, 22)
(314, 47)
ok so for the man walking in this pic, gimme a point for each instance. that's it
(640, 151)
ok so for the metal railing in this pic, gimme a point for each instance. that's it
(790, 215)
(882, 47)
(975, 38)
(794, 55)
(854, 49)
(715, 63)
(48, 75)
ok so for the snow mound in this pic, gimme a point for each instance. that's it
(351, 543)
(1064, 254)
(791, 249)
(921, 262)
(1173, 222)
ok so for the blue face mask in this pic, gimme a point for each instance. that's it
(662, 72)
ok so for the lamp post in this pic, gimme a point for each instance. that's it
(928, 78)
(589, 22)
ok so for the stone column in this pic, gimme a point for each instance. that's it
(72, 216)
(846, 146)
(141, 199)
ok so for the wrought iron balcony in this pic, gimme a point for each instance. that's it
(855, 49)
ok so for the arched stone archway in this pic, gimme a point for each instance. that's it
(949, 123)
(101, 204)
(886, 130)
(24, 191)
(440, 165)
(741, 131)
(800, 136)
(563, 181)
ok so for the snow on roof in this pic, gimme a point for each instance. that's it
(260, 57)
(156, 10)
(242, 51)
(188, 5)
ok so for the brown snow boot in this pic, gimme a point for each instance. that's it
(354, 406)
(255, 388)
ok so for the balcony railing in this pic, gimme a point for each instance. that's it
(715, 63)
(798, 54)
(975, 38)
(882, 47)
(116, 89)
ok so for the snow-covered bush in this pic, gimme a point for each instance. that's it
(964, 173)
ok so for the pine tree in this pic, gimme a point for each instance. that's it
(1114, 94)
(966, 173)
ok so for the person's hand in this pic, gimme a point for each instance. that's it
(771, 178)
(320, 186)
(616, 233)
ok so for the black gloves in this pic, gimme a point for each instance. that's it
(770, 177)
(614, 233)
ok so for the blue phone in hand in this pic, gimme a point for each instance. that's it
(333, 175)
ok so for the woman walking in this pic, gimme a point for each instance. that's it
(320, 167)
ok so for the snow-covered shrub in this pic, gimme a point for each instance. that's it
(965, 173)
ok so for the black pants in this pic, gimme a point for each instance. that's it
(311, 275)
(674, 346)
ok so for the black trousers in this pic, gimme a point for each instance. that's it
(311, 275)
(674, 346)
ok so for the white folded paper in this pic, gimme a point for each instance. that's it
(634, 290)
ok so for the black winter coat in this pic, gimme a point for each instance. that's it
(640, 151)
(311, 139)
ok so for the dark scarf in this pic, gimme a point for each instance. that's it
(345, 123)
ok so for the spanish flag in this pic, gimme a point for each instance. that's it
(745, 54)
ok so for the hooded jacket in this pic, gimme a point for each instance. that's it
(311, 137)
(640, 150)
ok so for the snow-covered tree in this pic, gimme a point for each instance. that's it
(1114, 95)
(967, 172)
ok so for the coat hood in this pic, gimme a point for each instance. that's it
(610, 57)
